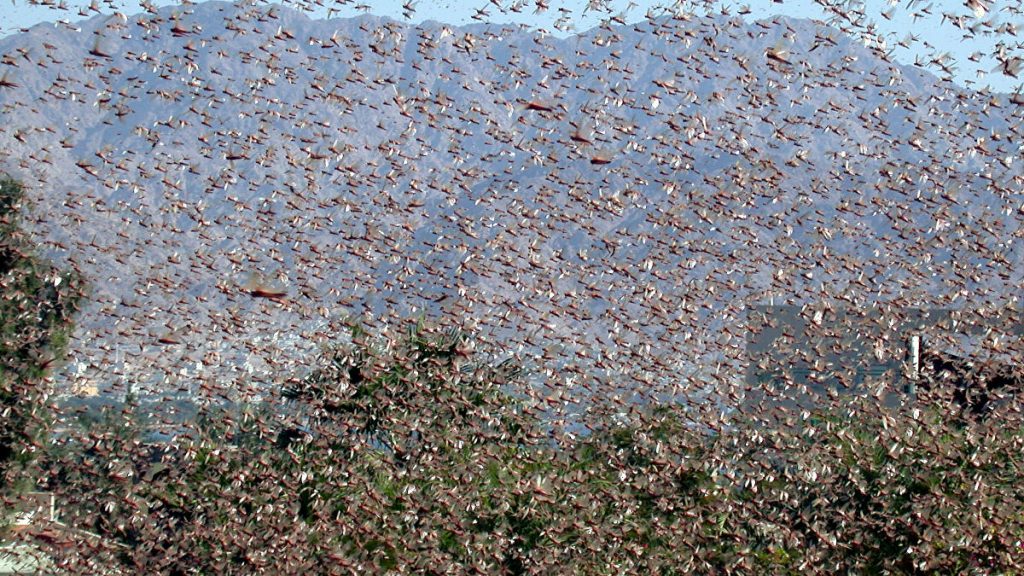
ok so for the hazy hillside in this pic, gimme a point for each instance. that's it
(626, 192)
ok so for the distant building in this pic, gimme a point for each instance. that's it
(800, 355)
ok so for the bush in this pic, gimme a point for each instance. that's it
(416, 456)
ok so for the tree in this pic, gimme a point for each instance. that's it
(423, 394)
(37, 303)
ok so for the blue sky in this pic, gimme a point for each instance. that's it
(928, 34)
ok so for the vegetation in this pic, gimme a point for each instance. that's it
(37, 303)
(416, 456)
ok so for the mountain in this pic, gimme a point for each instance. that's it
(237, 180)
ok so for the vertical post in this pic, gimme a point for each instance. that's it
(915, 357)
(913, 364)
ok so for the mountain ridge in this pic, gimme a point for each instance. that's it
(579, 191)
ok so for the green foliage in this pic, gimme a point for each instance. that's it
(410, 399)
(37, 303)
(416, 456)
(873, 490)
